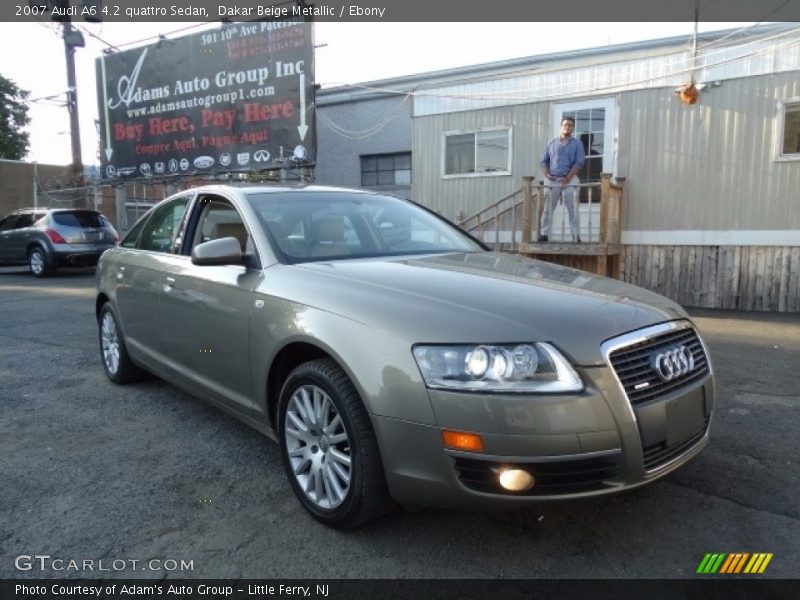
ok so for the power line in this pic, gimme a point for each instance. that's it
(387, 117)
(555, 90)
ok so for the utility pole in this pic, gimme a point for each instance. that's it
(60, 12)
(73, 39)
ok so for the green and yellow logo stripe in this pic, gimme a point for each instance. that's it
(735, 563)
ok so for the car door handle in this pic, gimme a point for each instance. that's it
(169, 283)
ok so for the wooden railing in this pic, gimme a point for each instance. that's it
(513, 222)
(500, 217)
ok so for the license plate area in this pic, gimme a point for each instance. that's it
(672, 421)
(685, 417)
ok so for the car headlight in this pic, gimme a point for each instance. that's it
(535, 367)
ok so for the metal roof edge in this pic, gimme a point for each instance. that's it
(383, 88)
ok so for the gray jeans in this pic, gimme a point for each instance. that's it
(553, 193)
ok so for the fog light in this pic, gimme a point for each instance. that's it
(516, 480)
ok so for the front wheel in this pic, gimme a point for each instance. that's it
(329, 448)
(38, 263)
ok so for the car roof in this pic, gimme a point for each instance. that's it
(52, 210)
(277, 189)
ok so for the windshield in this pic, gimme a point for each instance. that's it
(310, 226)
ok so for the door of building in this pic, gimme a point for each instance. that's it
(595, 125)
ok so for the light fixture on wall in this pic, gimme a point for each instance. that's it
(689, 93)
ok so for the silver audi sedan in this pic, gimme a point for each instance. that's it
(395, 359)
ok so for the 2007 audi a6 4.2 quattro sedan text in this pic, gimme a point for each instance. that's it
(395, 359)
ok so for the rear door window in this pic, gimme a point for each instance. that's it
(133, 235)
(10, 222)
(24, 220)
(163, 227)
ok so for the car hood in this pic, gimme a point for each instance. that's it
(479, 298)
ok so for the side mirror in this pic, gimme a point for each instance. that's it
(224, 251)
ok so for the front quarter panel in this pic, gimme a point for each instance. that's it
(382, 368)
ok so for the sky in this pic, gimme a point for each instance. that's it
(32, 55)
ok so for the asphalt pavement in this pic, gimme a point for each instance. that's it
(97, 472)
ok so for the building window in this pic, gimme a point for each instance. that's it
(478, 152)
(386, 169)
(790, 143)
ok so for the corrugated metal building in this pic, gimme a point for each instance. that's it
(712, 195)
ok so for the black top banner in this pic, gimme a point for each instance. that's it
(409, 10)
(240, 98)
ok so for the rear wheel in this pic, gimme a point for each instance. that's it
(116, 363)
(329, 448)
(38, 263)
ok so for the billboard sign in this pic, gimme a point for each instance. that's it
(239, 98)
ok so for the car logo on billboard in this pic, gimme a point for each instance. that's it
(126, 170)
(144, 168)
(261, 155)
(184, 164)
(111, 171)
(225, 159)
(173, 165)
(243, 158)
(203, 162)
(159, 167)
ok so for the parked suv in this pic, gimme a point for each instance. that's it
(46, 239)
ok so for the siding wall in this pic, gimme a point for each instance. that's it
(710, 166)
(530, 129)
(346, 131)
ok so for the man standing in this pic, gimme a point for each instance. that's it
(563, 158)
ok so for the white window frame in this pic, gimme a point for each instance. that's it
(505, 173)
(610, 132)
(780, 124)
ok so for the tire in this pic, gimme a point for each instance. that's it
(117, 365)
(331, 457)
(38, 263)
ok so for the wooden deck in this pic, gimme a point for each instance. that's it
(520, 214)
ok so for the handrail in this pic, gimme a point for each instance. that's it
(490, 207)
(532, 202)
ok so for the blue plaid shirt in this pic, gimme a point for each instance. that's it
(560, 158)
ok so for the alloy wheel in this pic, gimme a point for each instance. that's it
(318, 447)
(110, 343)
(37, 262)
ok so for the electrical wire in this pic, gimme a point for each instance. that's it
(162, 36)
(97, 37)
(387, 118)
(556, 90)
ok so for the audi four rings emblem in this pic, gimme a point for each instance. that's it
(673, 362)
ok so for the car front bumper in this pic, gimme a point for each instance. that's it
(582, 445)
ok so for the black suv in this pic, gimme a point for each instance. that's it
(47, 238)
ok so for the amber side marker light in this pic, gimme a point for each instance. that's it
(461, 440)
